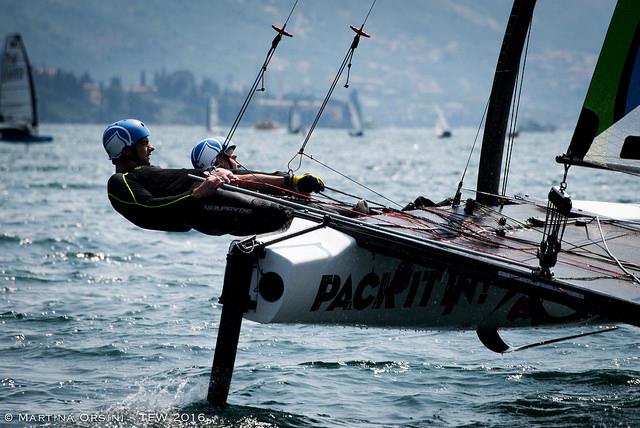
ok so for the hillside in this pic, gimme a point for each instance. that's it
(421, 53)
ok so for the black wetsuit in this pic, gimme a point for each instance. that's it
(160, 199)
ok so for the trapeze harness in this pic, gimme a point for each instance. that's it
(160, 199)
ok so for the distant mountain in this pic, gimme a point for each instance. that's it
(421, 52)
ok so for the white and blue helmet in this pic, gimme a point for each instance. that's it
(121, 134)
(204, 154)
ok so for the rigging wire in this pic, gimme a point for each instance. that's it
(514, 117)
(458, 195)
(510, 138)
(260, 77)
(254, 87)
(352, 180)
(333, 189)
(346, 61)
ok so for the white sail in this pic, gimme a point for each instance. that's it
(356, 122)
(18, 104)
(616, 148)
(441, 127)
(295, 120)
(355, 115)
(607, 134)
(17, 101)
(213, 120)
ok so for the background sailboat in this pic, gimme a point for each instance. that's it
(295, 119)
(442, 127)
(18, 101)
(355, 115)
(213, 119)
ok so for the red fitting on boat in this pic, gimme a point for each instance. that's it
(283, 31)
(359, 31)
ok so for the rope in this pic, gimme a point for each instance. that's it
(585, 252)
(604, 241)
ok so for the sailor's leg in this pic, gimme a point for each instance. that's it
(237, 214)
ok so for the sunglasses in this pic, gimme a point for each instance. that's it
(226, 153)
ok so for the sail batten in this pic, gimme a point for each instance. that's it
(607, 134)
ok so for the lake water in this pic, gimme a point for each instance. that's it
(106, 324)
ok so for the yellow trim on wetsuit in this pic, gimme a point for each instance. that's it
(135, 201)
(124, 178)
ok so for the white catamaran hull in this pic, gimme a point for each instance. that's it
(324, 276)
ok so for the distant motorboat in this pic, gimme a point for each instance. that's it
(531, 125)
(265, 125)
(18, 102)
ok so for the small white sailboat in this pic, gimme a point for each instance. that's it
(18, 101)
(355, 116)
(213, 119)
(295, 119)
(442, 127)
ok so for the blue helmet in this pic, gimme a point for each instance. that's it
(204, 154)
(121, 134)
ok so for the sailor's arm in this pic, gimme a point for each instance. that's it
(271, 183)
(216, 178)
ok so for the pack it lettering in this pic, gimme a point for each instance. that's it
(376, 292)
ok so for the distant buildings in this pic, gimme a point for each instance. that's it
(170, 98)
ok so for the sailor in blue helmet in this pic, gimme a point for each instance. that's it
(168, 199)
(214, 153)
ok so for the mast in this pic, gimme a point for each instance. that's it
(500, 99)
